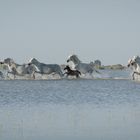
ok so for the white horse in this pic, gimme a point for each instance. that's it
(84, 68)
(18, 70)
(43, 68)
(134, 63)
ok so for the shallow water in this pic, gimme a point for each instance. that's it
(103, 74)
(69, 110)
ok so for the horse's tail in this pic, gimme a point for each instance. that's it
(60, 71)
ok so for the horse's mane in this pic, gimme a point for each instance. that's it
(33, 59)
(75, 58)
(35, 67)
(136, 59)
(9, 60)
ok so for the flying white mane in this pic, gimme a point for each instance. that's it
(74, 58)
(136, 59)
(33, 60)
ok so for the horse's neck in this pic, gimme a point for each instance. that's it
(35, 68)
(37, 64)
(14, 66)
(72, 64)
(76, 61)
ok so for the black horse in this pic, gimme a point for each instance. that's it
(71, 72)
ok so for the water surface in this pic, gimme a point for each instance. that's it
(69, 109)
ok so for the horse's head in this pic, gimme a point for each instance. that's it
(136, 59)
(8, 61)
(74, 59)
(133, 61)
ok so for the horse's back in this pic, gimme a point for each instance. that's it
(50, 68)
(84, 68)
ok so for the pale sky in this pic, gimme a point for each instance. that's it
(51, 30)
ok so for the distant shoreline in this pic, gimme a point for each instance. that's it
(112, 67)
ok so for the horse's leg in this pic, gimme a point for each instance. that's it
(133, 75)
(91, 74)
(14, 76)
(60, 73)
(37, 72)
(33, 75)
(77, 75)
(10, 73)
(66, 73)
(7, 74)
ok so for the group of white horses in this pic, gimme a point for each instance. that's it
(34, 67)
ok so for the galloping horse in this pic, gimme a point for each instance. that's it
(84, 68)
(72, 72)
(19, 70)
(46, 68)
